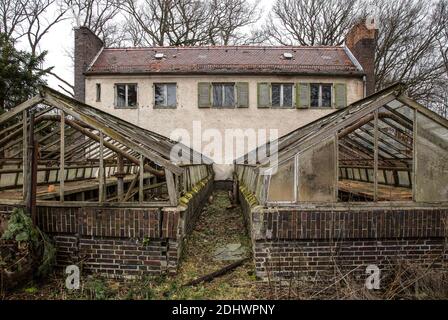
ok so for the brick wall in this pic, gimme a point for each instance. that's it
(283, 259)
(113, 241)
(87, 46)
(120, 242)
(290, 242)
(362, 43)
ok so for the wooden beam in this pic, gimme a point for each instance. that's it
(171, 185)
(336, 167)
(120, 174)
(423, 110)
(30, 181)
(130, 192)
(20, 108)
(112, 147)
(35, 132)
(141, 191)
(62, 157)
(324, 132)
(375, 159)
(25, 154)
(101, 170)
(136, 190)
(92, 122)
(18, 125)
(33, 189)
(415, 156)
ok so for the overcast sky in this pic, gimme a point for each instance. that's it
(59, 41)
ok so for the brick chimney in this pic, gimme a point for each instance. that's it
(361, 40)
(87, 46)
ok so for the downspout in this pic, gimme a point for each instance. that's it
(364, 82)
(359, 67)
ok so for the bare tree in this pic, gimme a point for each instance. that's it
(28, 22)
(189, 22)
(228, 18)
(407, 48)
(134, 33)
(12, 15)
(440, 99)
(39, 21)
(100, 16)
(150, 17)
(311, 22)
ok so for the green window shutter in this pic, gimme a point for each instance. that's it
(242, 94)
(340, 95)
(303, 95)
(264, 95)
(204, 95)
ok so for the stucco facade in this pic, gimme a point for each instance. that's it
(166, 121)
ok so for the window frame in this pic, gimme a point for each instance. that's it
(155, 106)
(126, 95)
(282, 84)
(98, 92)
(223, 84)
(320, 97)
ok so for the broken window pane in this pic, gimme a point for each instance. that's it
(276, 88)
(217, 95)
(326, 95)
(356, 155)
(132, 95)
(126, 95)
(159, 95)
(121, 95)
(287, 95)
(229, 95)
(314, 95)
(165, 95)
(321, 95)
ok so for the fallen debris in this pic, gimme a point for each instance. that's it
(209, 277)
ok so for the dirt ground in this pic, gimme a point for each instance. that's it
(218, 225)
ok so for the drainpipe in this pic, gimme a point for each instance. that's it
(364, 82)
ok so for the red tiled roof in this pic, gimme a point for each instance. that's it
(225, 59)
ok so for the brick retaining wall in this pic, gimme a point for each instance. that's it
(117, 241)
(293, 242)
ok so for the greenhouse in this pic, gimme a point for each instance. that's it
(74, 153)
(367, 184)
(384, 148)
(95, 184)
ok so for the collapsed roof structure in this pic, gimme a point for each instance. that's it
(119, 198)
(83, 154)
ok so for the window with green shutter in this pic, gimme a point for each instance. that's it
(303, 95)
(340, 95)
(264, 95)
(204, 95)
(242, 94)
